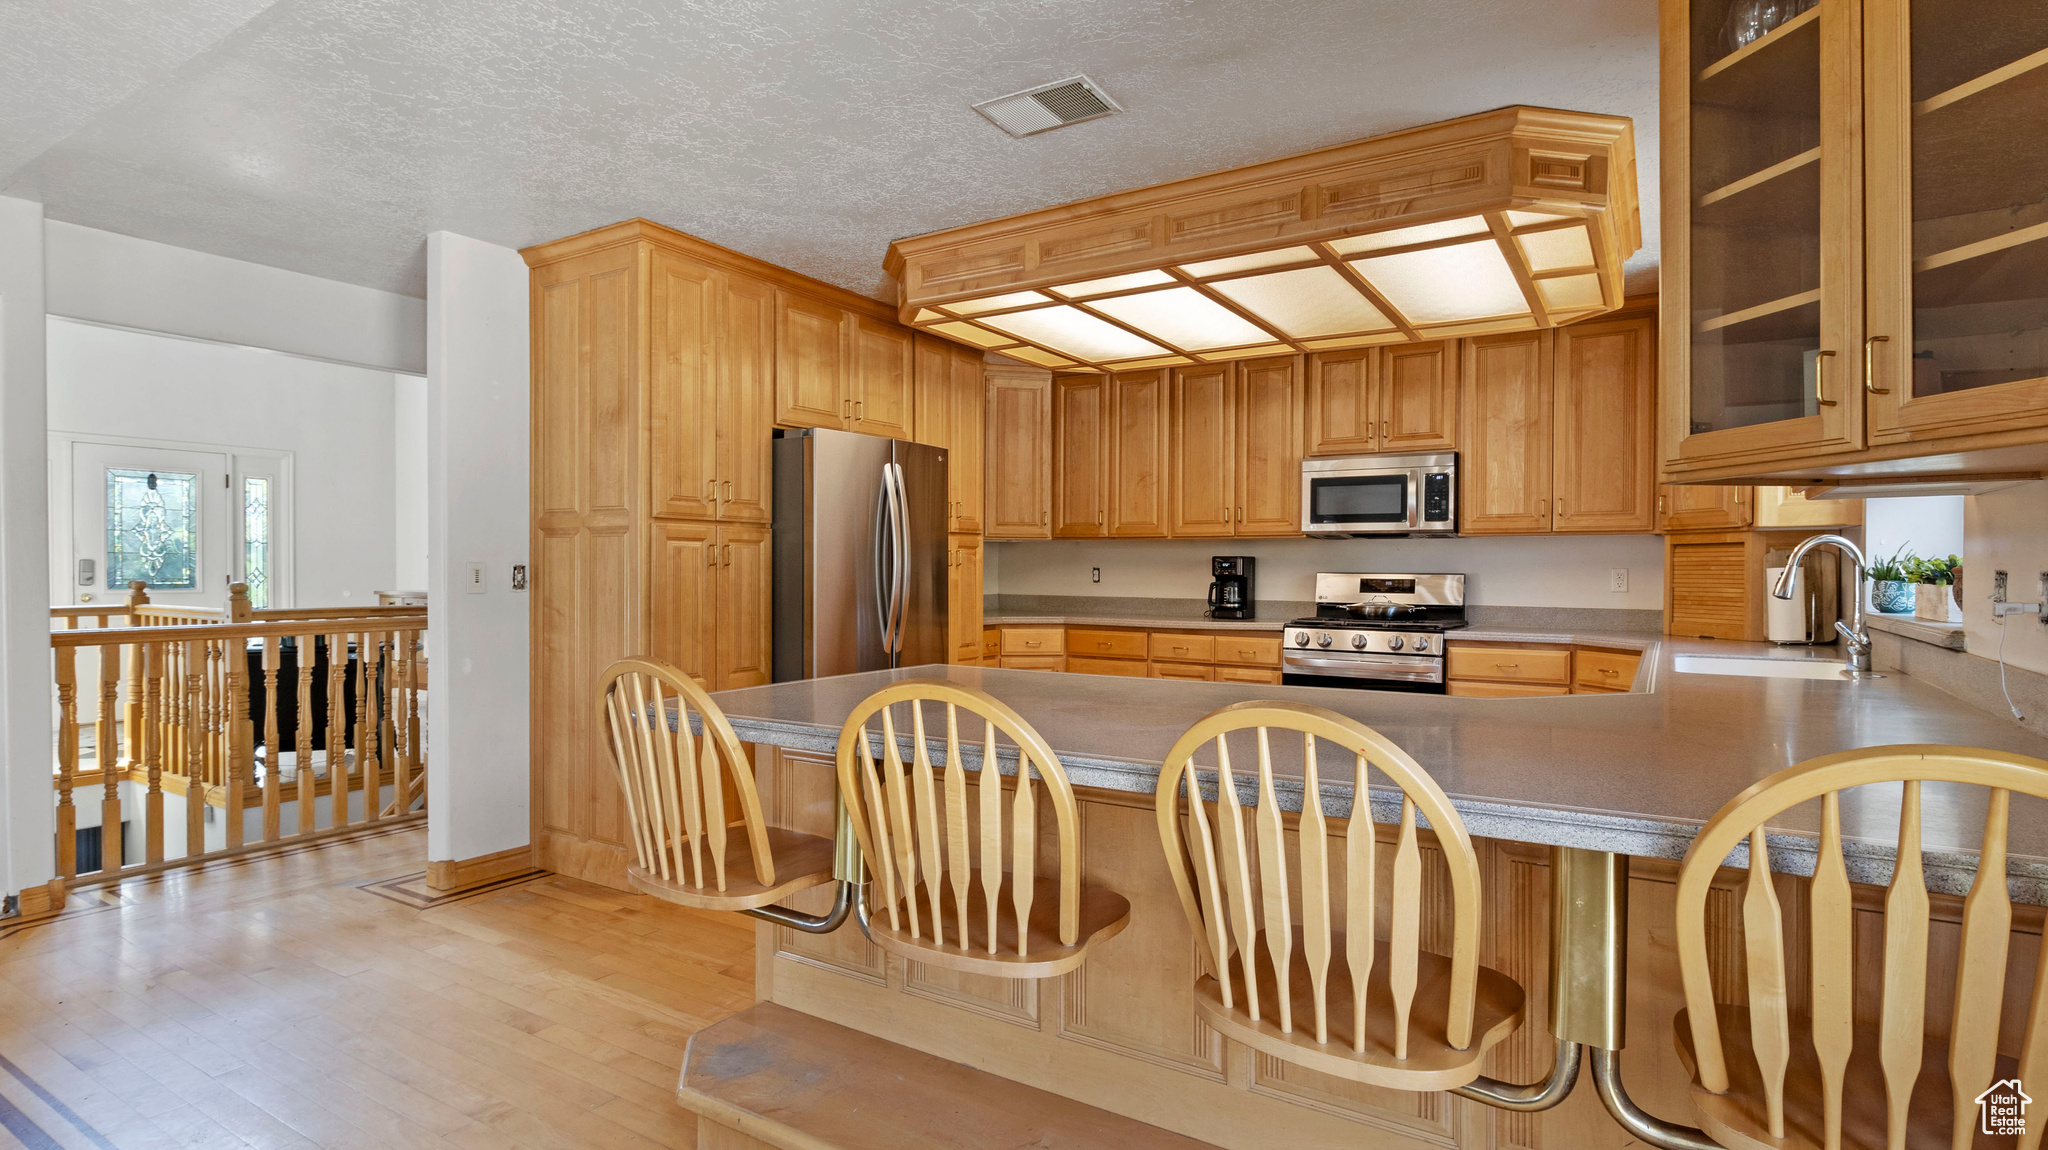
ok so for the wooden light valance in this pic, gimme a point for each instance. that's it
(1509, 220)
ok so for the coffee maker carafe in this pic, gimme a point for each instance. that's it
(1230, 592)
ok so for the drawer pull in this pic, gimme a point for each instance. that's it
(1245, 653)
(1507, 666)
(1102, 646)
(1607, 670)
(1033, 643)
(1180, 650)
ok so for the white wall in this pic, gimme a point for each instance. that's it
(336, 421)
(106, 278)
(409, 447)
(2006, 530)
(1535, 571)
(27, 817)
(477, 386)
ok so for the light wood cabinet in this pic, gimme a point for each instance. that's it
(1707, 585)
(660, 364)
(1268, 463)
(1140, 409)
(1847, 280)
(1235, 447)
(1080, 456)
(882, 379)
(1559, 431)
(1605, 459)
(1504, 466)
(949, 389)
(1203, 452)
(1786, 507)
(1700, 507)
(1018, 453)
(1402, 398)
(963, 590)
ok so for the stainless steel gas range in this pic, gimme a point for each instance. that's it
(1374, 631)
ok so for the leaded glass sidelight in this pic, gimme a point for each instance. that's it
(153, 529)
(256, 539)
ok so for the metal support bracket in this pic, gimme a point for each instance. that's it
(1564, 1074)
(1644, 1126)
(847, 866)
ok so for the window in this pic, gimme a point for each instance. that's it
(256, 539)
(152, 529)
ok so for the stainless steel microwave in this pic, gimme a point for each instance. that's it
(1380, 495)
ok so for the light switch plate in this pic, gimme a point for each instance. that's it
(475, 586)
(519, 576)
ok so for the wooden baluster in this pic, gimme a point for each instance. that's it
(106, 746)
(931, 846)
(369, 750)
(1834, 990)
(1273, 884)
(67, 761)
(412, 715)
(959, 860)
(337, 730)
(1901, 1028)
(1215, 920)
(1980, 975)
(149, 657)
(209, 713)
(1770, 1026)
(193, 734)
(273, 794)
(237, 733)
(388, 724)
(990, 784)
(1237, 875)
(899, 817)
(1404, 932)
(302, 750)
(882, 861)
(133, 741)
(1023, 848)
(1315, 886)
(1361, 846)
(401, 734)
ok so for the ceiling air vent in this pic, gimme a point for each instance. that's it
(1048, 106)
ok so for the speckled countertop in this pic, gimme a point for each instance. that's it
(1154, 623)
(1635, 773)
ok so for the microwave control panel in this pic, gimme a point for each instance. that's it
(1436, 497)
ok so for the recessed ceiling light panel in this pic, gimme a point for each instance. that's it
(1048, 106)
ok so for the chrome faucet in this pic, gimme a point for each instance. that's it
(1858, 658)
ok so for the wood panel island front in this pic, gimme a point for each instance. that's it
(1631, 775)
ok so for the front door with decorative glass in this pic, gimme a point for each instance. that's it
(167, 517)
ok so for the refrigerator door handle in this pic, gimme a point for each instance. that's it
(899, 577)
(884, 558)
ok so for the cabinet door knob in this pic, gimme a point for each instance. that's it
(1869, 368)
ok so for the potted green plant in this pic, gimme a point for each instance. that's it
(1888, 592)
(1931, 579)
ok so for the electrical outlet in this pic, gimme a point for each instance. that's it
(475, 585)
(1998, 580)
(2044, 599)
(1617, 579)
(519, 576)
(1095, 575)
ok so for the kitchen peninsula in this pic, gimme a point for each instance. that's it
(1632, 773)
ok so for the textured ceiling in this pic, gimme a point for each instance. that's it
(330, 136)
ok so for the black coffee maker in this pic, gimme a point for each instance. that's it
(1230, 592)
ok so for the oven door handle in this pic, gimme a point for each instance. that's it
(1419, 667)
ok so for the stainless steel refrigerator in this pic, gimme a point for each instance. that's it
(860, 554)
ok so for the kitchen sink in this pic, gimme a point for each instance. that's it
(1765, 667)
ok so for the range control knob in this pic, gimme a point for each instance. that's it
(1323, 640)
(1395, 643)
(1359, 640)
(1422, 642)
(1301, 638)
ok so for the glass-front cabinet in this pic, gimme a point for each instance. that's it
(1856, 229)
(1957, 193)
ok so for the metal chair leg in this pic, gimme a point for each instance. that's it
(1645, 1126)
(846, 868)
(1564, 1074)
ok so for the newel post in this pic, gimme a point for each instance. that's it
(239, 610)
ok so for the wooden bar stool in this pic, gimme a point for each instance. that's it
(1423, 1021)
(949, 892)
(676, 789)
(1754, 1085)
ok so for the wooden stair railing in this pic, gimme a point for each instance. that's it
(187, 727)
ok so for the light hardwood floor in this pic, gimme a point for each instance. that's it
(277, 1002)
